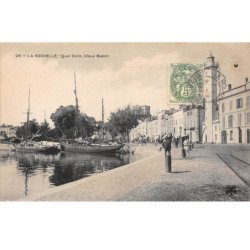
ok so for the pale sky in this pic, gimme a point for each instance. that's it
(133, 73)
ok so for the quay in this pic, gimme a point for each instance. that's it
(204, 176)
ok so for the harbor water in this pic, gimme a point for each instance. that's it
(24, 174)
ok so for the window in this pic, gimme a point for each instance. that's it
(231, 105)
(239, 103)
(248, 101)
(248, 117)
(191, 112)
(223, 122)
(215, 137)
(231, 134)
(230, 121)
(223, 107)
(239, 120)
(215, 128)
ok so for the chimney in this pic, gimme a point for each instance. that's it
(229, 86)
(246, 80)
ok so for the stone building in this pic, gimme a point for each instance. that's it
(194, 117)
(210, 94)
(227, 114)
(234, 115)
(175, 123)
(222, 117)
(7, 130)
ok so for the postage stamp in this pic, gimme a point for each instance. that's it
(182, 90)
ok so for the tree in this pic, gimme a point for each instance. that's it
(33, 128)
(3, 135)
(123, 120)
(54, 133)
(44, 130)
(87, 125)
(72, 123)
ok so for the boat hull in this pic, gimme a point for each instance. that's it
(31, 149)
(95, 149)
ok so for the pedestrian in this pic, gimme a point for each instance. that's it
(166, 144)
(141, 141)
(186, 147)
(176, 142)
(190, 145)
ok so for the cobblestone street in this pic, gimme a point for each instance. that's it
(202, 177)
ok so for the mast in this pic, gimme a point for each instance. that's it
(28, 119)
(44, 114)
(77, 109)
(102, 120)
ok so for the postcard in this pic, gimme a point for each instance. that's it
(124, 121)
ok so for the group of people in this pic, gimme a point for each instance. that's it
(185, 144)
(143, 140)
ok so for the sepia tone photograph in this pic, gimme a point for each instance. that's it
(124, 121)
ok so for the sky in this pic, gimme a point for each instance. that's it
(129, 73)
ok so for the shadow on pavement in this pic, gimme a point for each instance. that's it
(179, 172)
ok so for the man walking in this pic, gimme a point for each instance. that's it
(186, 147)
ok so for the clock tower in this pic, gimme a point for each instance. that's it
(210, 97)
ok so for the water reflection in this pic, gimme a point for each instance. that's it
(72, 167)
(37, 172)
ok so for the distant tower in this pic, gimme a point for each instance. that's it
(210, 96)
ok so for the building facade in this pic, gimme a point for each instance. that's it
(210, 94)
(227, 114)
(194, 117)
(223, 117)
(185, 121)
(234, 118)
(7, 130)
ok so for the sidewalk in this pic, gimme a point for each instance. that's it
(242, 156)
(202, 177)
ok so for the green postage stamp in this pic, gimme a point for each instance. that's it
(186, 83)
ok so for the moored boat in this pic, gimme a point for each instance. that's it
(36, 147)
(90, 148)
(82, 146)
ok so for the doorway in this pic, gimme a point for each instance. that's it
(248, 135)
(224, 137)
(240, 135)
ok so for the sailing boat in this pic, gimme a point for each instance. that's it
(81, 146)
(31, 146)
